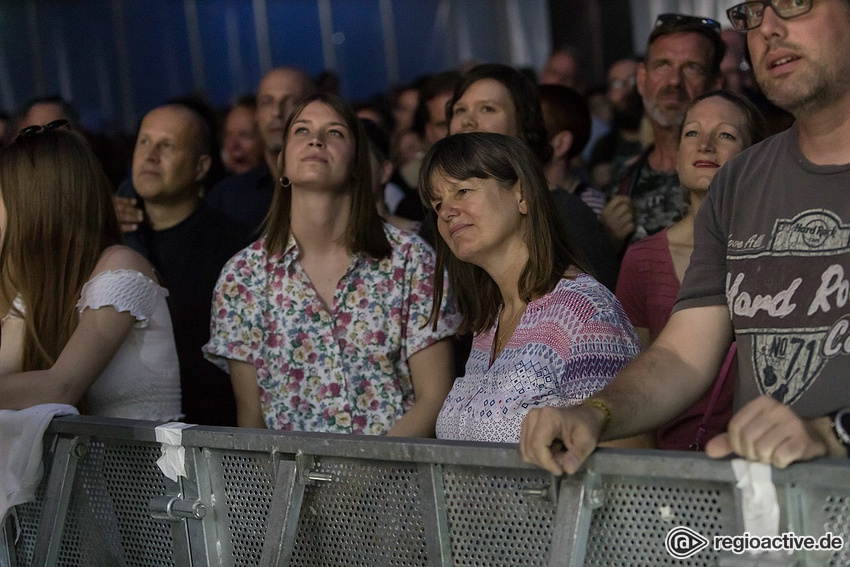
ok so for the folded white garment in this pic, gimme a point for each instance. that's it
(21, 451)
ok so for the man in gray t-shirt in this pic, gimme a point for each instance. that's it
(770, 264)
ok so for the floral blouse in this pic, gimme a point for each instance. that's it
(341, 369)
(567, 346)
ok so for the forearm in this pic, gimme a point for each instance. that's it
(243, 377)
(26, 389)
(431, 372)
(247, 415)
(419, 421)
(650, 391)
(670, 375)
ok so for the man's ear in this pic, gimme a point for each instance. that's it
(202, 167)
(562, 142)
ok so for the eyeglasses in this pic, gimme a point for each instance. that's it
(749, 15)
(683, 20)
(31, 131)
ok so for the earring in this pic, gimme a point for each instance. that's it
(285, 182)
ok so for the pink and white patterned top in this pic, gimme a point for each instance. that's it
(568, 345)
(337, 370)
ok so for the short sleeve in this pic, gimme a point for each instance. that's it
(603, 340)
(236, 329)
(419, 332)
(125, 290)
(705, 279)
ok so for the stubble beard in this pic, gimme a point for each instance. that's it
(671, 118)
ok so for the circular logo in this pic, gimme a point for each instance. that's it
(683, 542)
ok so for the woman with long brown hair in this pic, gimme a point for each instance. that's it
(322, 321)
(85, 321)
(545, 332)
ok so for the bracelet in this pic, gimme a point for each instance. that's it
(599, 404)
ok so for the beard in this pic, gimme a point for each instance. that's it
(815, 90)
(667, 117)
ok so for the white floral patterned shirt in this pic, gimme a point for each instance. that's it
(337, 370)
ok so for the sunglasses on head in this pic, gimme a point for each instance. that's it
(684, 20)
(749, 15)
(30, 131)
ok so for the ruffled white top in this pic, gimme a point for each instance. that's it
(142, 381)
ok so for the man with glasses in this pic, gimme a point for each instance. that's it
(770, 264)
(682, 62)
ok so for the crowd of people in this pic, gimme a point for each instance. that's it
(480, 255)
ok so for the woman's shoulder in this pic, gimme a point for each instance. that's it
(122, 258)
(580, 293)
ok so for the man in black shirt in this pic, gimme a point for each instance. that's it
(188, 243)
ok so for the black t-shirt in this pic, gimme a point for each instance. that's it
(188, 258)
(588, 235)
(245, 198)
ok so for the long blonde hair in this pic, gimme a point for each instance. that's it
(59, 218)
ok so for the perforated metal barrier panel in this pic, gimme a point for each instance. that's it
(368, 515)
(247, 483)
(255, 498)
(498, 517)
(639, 512)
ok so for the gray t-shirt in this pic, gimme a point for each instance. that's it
(772, 242)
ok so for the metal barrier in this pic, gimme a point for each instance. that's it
(268, 498)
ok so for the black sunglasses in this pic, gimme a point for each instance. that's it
(749, 15)
(684, 20)
(31, 131)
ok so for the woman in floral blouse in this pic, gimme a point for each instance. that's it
(546, 333)
(322, 321)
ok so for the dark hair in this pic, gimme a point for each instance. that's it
(432, 87)
(60, 219)
(756, 125)
(247, 100)
(526, 102)
(565, 109)
(679, 23)
(68, 111)
(551, 252)
(379, 140)
(365, 232)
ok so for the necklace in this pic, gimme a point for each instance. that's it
(499, 339)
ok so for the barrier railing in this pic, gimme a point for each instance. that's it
(267, 498)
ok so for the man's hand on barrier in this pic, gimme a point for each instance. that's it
(560, 439)
(768, 431)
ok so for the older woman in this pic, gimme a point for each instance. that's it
(718, 126)
(546, 333)
(321, 322)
